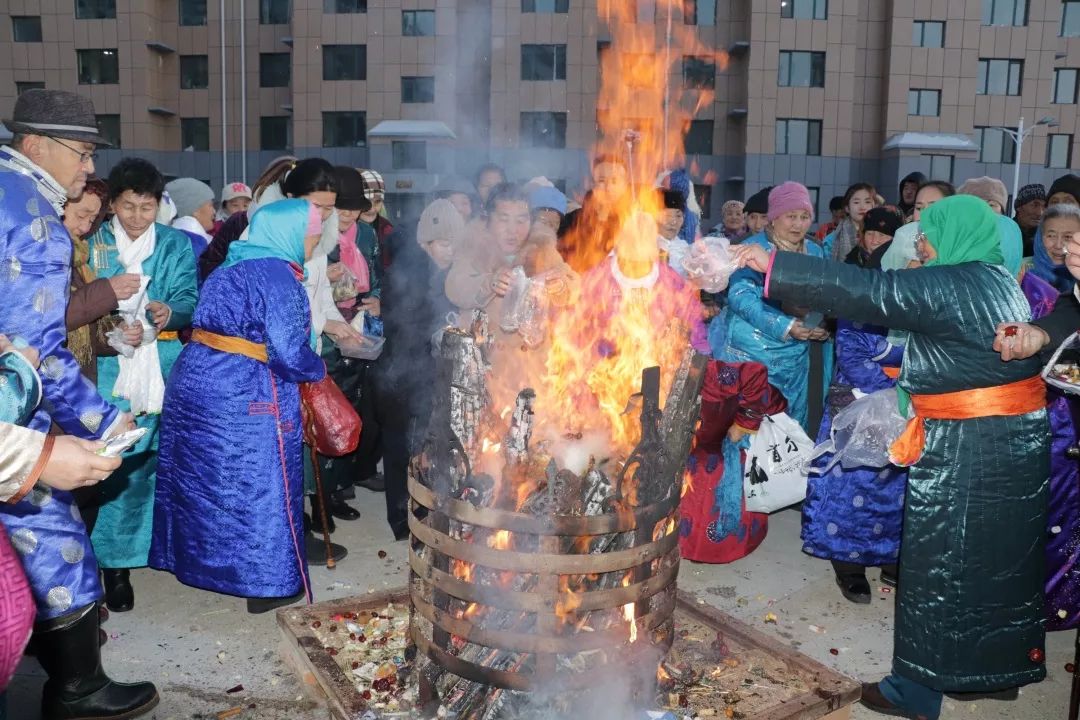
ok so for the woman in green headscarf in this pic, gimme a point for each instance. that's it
(969, 607)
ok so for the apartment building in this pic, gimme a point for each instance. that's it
(824, 91)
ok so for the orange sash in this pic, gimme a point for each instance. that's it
(168, 335)
(1018, 398)
(891, 372)
(230, 344)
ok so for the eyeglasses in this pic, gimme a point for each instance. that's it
(84, 157)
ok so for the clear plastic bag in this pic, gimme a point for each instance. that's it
(344, 288)
(708, 264)
(1063, 370)
(862, 433)
(533, 313)
(514, 301)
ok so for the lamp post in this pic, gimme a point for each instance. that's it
(1018, 136)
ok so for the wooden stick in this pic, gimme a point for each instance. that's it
(322, 508)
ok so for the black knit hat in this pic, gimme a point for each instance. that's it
(758, 202)
(350, 189)
(885, 220)
(57, 114)
(672, 199)
(1066, 184)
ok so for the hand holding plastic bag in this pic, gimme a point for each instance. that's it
(709, 265)
(862, 433)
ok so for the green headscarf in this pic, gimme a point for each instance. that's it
(962, 229)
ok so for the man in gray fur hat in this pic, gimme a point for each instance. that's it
(49, 159)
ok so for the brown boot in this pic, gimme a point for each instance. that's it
(874, 700)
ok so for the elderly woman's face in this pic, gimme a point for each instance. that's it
(79, 214)
(1057, 233)
(733, 218)
(792, 226)
(924, 251)
(670, 222)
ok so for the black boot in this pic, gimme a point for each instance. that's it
(119, 595)
(77, 688)
(852, 581)
(340, 509)
(315, 548)
(316, 516)
(890, 575)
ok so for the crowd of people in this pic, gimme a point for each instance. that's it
(196, 317)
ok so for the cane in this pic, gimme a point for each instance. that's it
(322, 509)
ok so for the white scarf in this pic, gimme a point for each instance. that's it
(139, 379)
(627, 283)
(191, 225)
(46, 183)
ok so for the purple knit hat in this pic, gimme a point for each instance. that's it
(787, 197)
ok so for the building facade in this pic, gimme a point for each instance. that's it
(824, 91)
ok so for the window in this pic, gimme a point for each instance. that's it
(1000, 77)
(1070, 18)
(646, 11)
(95, 9)
(273, 12)
(418, 89)
(274, 69)
(194, 72)
(109, 127)
(805, 9)
(409, 155)
(815, 195)
(98, 67)
(699, 138)
(26, 29)
(928, 33)
(941, 167)
(699, 12)
(545, 6)
(924, 102)
(1065, 86)
(543, 129)
(343, 7)
(1059, 151)
(698, 72)
(417, 23)
(802, 69)
(344, 129)
(798, 137)
(543, 62)
(21, 87)
(192, 12)
(274, 132)
(995, 146)
(1004, 12)
(195, 134)
(344, 62)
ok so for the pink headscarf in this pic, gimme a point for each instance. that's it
(787, 197)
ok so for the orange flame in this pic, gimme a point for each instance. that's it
(687, 483)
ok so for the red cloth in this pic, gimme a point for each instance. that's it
(733, 393)
(17, 610)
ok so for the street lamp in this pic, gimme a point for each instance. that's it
(1019, 135)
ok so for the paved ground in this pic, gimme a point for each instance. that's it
(196, 645)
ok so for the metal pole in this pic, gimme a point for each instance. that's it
(243, 97)
(667, 86)
(224, 111)
(1016, 170)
